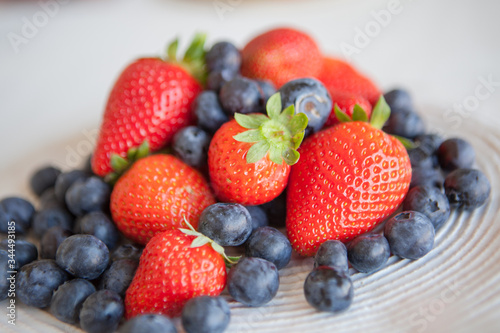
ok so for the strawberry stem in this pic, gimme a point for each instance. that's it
(193, 60)
(120, 164)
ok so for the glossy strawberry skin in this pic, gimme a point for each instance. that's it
(171, 272)
(151, 101)
(350, 177)
(338, 76)
(155, 195)
(235, 180)
(281, 55)
(346, 103)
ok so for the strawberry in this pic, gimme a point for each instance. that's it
(350, 178)
(281, 55)
(155, 194)
(249, 157)
(150, 101)
(346, 102)
(175, 266)
(340, 77)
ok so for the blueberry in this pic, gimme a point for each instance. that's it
(43, 179)
(119, 276)
(216, 79)
(15, 212)
(258, 215)
(83, 256)
(424, 176)
(48, 199)
(398, 99)
(467, 188)
(51, 240)
(190, 144)
(253, 281)
(240, 95)
(37, 281)
(64, 182)
(209, 112)
(266, 89)
(309, 96)
(51, 217)
(228, 224)
(456, 153)
(85, 196)
(429, 143)
(328, 289)
(270, 244)
(368, 253)
(148, 323)
(127, 251)
(276, 211)
(332, 253)
(420, 158)
(223, 55)
(101, 312)
(429, 201)
(68, 299)
(205, 314)
(100, 225)
(406, 123)
(410, 234)
(25, 252)
(5, 277)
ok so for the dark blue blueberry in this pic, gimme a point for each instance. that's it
(467, 188)
(228, 224)
(51, 240)
(37, 281)
(85, 196)
(127, 251)
(68, 300)
(6, 278)
(270, 244)
(216, 79)
(223, 55)
(100, 225)
(240, 95)
(456, 153)
(332, 253)
(15, 213)
(148, 323)
(253, 281)
(309, 96)
(48, 199)
(368, 253)
(431, 202)
(51, 217)
(423, 176)
(65, 180)
(205, 314)
(209, 112)
(398, 99)
(83, 256)
(43, 179)
(101, 312)
(25, 252)
(429, 143)
(419, 158)
(190, 144)
(410, 234)
(406, 123)
(119, 276)
(328, 289)
(259, 216)
(276, 211)
(267, 89)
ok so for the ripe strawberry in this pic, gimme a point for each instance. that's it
(155, 194)
(254, 174)
(346, 103)
(350, 178)
(174, 267)
(281, 55)
(340, 77)
(150, 101)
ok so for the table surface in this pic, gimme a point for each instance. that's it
(59, 59)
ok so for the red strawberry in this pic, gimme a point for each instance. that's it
(346, 103)
(281, 55)
(340, 77)
(350, 178)
(254, 174)
(172, 270)
(155, 195)
(150, 101)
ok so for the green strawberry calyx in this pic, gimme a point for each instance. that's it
(120, 164)
(280, 133)
(201, 240)
(380, 114)
(194, 58)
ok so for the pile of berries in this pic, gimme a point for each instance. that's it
(223, 148)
